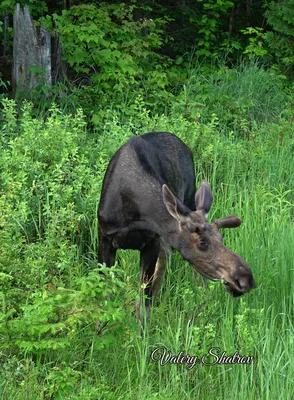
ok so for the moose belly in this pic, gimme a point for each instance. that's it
(134, 239)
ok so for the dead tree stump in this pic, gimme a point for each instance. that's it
(31, 53)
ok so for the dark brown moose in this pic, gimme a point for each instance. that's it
(149, 203)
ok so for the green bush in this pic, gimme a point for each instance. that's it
(49, 193)
(114, 55)
(280, 38)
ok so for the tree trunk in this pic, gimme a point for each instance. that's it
(31, 53)
(232, 17)
(58, 65)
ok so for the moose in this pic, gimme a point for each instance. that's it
(149, 203)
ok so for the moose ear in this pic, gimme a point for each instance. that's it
(203, 198)
(173, 205)
(231, 221)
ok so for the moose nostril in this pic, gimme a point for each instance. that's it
(243, 283)
(246, 283)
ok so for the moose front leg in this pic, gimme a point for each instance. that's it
(106, 251)
(159, 272)
(148, 258)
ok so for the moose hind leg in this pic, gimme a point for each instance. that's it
(148, 258)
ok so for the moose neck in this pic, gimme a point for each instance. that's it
(169, 229)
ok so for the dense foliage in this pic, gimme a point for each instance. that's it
(148, 44)
(207, 26)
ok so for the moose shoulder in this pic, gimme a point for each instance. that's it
(149, 203)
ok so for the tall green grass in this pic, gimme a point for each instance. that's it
(239, 96)
(194, 316)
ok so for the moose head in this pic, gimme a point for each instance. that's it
(201, 244)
